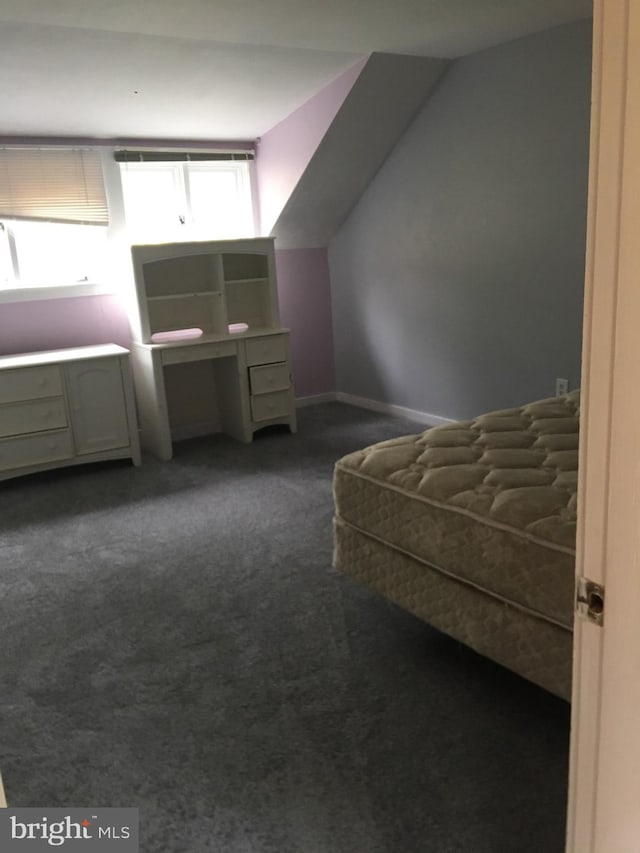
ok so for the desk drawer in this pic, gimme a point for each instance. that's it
(198, 352)
(32, 416)
(269, 377)
(267, 350)
(35, 449)
(264, 407)
(27, 383)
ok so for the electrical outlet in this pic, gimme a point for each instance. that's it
(562, 387)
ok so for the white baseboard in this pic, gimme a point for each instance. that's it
(374, 406)
(314, 399)
(390, 409)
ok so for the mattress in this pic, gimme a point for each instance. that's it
(472, 526)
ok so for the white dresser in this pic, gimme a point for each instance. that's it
(66, 407)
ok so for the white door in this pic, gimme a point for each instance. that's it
(97, 402)
(604, 781)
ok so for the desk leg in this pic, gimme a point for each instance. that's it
(233, 397)
(155, 432)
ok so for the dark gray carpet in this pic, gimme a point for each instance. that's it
(173, 638)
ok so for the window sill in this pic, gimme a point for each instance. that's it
(29, 294)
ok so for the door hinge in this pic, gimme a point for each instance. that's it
(590, 600)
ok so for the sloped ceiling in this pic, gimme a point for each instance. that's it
(220, 69)
(384, 99)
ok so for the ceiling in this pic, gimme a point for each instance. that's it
(220, 69)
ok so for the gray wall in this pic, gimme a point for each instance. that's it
(457, 281)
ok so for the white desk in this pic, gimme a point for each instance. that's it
(236, 384)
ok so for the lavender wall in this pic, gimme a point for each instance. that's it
(305, 308)
(44, 324)
(457, 281)
(58, 323)
(285, 150)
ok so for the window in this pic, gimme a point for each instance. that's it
(204, 197)
(53, 216)
(48, 253)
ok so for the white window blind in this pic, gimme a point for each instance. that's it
(53, 184)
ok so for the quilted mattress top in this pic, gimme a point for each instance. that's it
(514, 468)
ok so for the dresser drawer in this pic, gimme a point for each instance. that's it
(32, 416)
(35, 449)
(269, 377)
(267, 350)
(264, 407)
(198, 352)
(27, 383)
